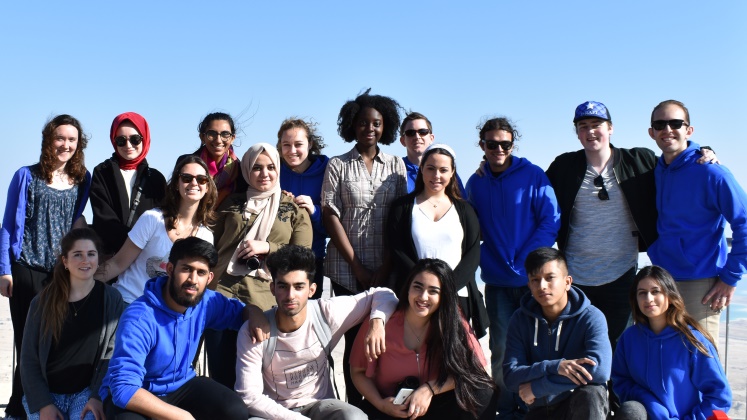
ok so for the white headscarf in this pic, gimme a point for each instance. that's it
(262, 203)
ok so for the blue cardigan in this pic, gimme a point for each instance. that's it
(14, 220)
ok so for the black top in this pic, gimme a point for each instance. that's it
(72, 360)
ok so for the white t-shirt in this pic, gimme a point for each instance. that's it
(441, 239)
(149, 234)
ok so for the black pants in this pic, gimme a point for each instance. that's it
(202, 397)
(319, 278)
(353, 396)
(444, 406)
(220, 346)
(27, 283)
(587, 402)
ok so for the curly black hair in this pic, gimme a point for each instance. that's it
(386, 106)
(500, 123)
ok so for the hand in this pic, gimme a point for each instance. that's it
(304, 202)
(708, 156)
(259, 327)
(288, 193)
(50, 412)
(388, 407)
(250, 247)
(419, 401)
(6, 285)
(363, 275)
(375, 339)
(719, 297)
(573, 370)
(96, 408)
(526, 394)
(480, 171)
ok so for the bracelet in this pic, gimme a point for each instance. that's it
(431, 388)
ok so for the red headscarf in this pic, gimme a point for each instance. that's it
(142, 127)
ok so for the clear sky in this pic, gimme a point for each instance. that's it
(456, 62)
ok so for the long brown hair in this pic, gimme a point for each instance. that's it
(451, 190)
(75, 167)
(676, 315)
(53, 298)
(170, 208)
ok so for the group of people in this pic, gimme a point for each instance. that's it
(228, 240)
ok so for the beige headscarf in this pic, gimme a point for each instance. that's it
(262, 203)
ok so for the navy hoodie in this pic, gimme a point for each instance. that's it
(309, 183)
(155, 346)
(518, 213)
(534, 348)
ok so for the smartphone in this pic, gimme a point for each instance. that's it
(402, 395)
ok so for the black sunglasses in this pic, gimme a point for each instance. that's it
(493, 145)
(212, 134)
(599, 183)
(187, 178)
(134, 140)
(662, 124)
(422, 131)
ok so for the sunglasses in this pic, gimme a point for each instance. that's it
(662, 124)
(599, 183)
(493, 145)
(422, 131)
(134, 140)
(187, 178)
(212, 134)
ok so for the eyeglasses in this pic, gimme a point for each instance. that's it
(603, 194)
(134, 140)
(662, 124)
(187, 178)
(493, 145)
(422, 131)
(212, 134)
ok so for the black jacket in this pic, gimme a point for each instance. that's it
(634, 170)
(110, 205)
(405, 256)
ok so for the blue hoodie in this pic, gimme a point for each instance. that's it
(694, 203)
(534, 348)
(668, 375)
(155, 346)
(309, 183)
(518, 213)
(412, 175)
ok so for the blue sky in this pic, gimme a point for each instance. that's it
(174, 62)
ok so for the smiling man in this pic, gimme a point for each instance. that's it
(694, 203)
(558, 356)
(150, 374)
(292, 380)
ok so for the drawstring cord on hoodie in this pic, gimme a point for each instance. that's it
(557, 338)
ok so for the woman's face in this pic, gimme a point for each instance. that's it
(65, 142)
(82, 260)
(652, 299)
(218, 138)
(128, 151)
(264, 173)
(294, 146)
(424, 295)
(437, 172)
(193, 182)
(369, 126)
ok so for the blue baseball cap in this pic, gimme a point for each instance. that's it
(592, 109)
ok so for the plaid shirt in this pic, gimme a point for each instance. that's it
(361, 201)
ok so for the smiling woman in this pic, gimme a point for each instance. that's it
(44, 202)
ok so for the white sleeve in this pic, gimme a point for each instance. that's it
(342, 312)
(144, 228)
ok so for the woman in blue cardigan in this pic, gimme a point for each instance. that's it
(301, 176)
(45, 201)
(666, 363)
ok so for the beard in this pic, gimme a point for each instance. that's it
(181, 298)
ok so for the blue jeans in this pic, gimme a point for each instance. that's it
(70, 405)
(501, 303)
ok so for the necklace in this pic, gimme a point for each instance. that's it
(60, 176)
(179, 224)
(78, 308)
(417, 337)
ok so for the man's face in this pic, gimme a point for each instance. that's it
(492, 144)
(550, 285)
(671, 141)
(594, 134)
(188, 280)
(413, 139)
(292, 291)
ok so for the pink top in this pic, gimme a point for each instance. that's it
(399, 362)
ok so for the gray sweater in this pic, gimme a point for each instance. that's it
(35, 351)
